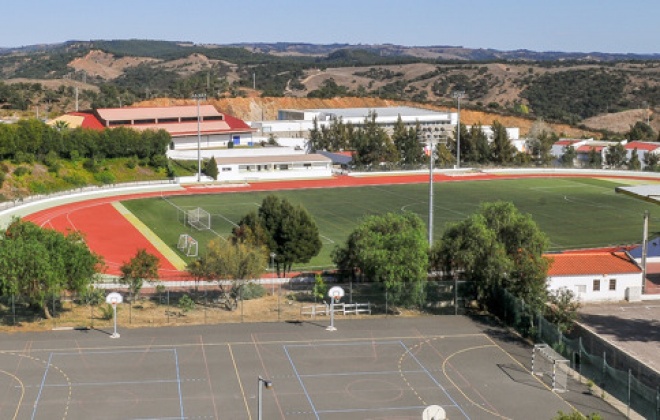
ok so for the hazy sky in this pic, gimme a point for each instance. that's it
(541, 25)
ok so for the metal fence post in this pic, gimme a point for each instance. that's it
(386, 303)
(629, 384)
(580, 354)
(602, 379)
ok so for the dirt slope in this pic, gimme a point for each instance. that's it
(257, 108)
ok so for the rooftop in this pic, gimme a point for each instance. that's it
(591, 263)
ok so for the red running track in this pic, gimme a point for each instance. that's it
(108, 233)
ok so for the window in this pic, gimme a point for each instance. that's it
(612, 284)
(225, 169)
(596, 285)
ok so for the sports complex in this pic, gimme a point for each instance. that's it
(386, 367)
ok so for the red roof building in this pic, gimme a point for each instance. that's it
(214, 129)
(595, 276)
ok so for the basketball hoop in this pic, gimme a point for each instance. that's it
(335, 294)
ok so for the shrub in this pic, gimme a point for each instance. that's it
(132, 162)
(186, 303)
(159, 161)
(91, 165)
(105, 177)
(20, 171)
(252, 290)
(2, 178)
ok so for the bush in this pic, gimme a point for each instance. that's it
(20, 171)
(132, 162)
(105, 177)
(252, 290)
(159, 161)
(91, 165)
(186, 303)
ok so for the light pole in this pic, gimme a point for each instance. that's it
(458, 95)
(198, 97)
(272, 267)
(266, 384)
(432, 158)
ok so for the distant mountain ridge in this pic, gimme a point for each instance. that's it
(442, 52)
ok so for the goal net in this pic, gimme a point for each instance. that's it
(198, 218)
(187, 245)
(550, 366)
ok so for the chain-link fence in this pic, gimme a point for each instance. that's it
(615, 372)
(265, 301)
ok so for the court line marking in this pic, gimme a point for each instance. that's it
(433, 379)
(302, 385)
(444, 372)
(240, 383)
(169, 347)
(528, 371)
(20, 400)
(208, 376)
(178, 380)
(41, 388)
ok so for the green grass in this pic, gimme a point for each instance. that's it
(573, 212)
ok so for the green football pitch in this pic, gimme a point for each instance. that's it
(573, 212)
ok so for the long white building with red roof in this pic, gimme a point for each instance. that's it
(215, 128)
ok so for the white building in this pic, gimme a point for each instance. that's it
(643, 149)
(595, 276)
(250, 168)
(440, 124)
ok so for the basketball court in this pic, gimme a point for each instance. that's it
(380, 368)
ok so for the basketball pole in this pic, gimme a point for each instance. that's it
(332, 315)
(115, 334)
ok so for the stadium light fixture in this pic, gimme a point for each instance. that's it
(198, 97)
(458, 95)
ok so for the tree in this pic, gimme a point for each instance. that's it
(568, 157)
(211, 168)
(411, 150)
(391, 249)
(501, 148)
(291, 231)
(40, 263)
(594, 159)
(372, 145)
(496, 247)
(562, 309)
(615, 156)
(640, 131)
(481, 145)
(227, 260)
(634, 164)
(651, 161)
(143, 266)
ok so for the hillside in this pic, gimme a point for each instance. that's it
(600, 91)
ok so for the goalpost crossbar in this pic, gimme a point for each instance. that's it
(547, 362)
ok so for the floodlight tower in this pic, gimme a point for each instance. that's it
(199, 97)
(458, 95)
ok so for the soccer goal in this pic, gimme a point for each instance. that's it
(550, 365)
(198, 218)
(187, 245)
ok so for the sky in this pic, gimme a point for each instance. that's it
(538, 25)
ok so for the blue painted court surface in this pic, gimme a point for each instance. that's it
(387, 368)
